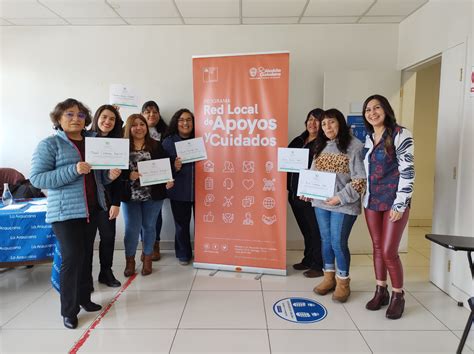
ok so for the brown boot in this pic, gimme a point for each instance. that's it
(156, 252)
(381, 298)
(130, 266)
(342, 291)
(146, 270)
(328, 284)
(397, 305)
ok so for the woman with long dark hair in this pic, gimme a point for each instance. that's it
(182, 194)
(312, 261)
(107, 123)
(142, 204)
(157, 127)
(389, 164)
(337, 151)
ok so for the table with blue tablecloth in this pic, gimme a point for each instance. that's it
(25, 237)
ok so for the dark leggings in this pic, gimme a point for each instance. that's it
(386, 236)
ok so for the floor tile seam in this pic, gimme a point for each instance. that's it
(419, 253)
(27, 306)
(265, 314)
(182, 313)
(357, 327)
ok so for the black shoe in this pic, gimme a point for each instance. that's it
(313, 273)
(300, 266)
(91, 307)
(70, 322)
(109, 280)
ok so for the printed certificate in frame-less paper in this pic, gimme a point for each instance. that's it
(107, 153)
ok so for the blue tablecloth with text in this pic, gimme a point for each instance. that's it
(25, 236)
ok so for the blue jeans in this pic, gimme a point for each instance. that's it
(140, 216)
(335, 229)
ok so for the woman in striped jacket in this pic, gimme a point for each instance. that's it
(390, 178)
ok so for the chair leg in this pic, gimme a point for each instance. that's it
(467, 328)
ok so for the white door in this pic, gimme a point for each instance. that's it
(447, 157)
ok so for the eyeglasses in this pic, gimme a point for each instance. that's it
(71, 115)
(186, 120)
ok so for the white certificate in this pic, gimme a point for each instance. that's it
(292, 160)
(154, 171)
(316, 184)
(123, 96)
(191, 150)
(107, 153)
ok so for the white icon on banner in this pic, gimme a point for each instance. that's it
(208, 166)
(269, 184)
(209, 183)
(215, 247)
(225, 247)
(228, 184)
(209, 199)
(268, 166)
(269, 203)
(228, 201)
(228, 218)
(206, 246)
(248, 184)
(209, 217)
(268, 220)
(248, 201)
(248, 219)
(210, 74)
(228, 167)
(248, 167)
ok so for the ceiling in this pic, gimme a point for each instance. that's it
(202, 12)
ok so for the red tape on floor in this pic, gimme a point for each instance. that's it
(94, 324)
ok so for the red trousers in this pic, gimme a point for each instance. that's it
(386, 236)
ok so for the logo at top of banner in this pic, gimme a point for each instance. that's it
(264, 73)
(210, 74)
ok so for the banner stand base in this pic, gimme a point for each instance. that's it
(239, 269)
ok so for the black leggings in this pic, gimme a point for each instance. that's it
(76, 243)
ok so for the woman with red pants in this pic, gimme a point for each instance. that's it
(390, 178)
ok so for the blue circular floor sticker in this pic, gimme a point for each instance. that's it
(300, 310)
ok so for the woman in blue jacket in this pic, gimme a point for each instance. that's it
(75, 197)
(107, 123)
(182, 194)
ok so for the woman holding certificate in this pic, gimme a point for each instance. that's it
(339, 155)
(391, 173)
(142, 204)
(75, 199)
(182, 194)
(108, 123)
(312, 261)
(158, 127)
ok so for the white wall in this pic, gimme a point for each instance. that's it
(42, 65)
(436, 27)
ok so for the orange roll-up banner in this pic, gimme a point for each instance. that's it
(241, 111)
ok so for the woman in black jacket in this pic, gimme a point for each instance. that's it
(312, 261)
(142, 204)
(107, 123)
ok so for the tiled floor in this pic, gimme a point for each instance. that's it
(182, 310)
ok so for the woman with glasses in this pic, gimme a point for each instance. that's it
(158, 127)
(107, 123)
(142, 204)
(75, 198)
(182, 194)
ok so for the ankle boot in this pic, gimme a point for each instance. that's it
(146, 270)
(343, 290)
(397, 305)
(156, 252)
(328, 284)
(129, 266)
(381, 298)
